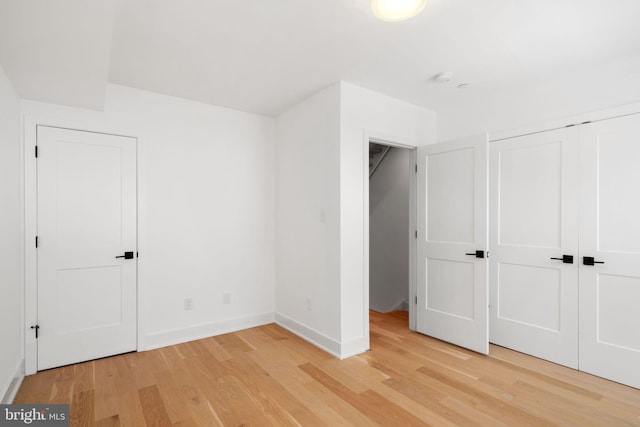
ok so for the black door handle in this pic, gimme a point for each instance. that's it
(127, 255)
(589, 260)
(477, 254)
(566, 259)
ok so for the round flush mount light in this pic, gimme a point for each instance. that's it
(397, 10)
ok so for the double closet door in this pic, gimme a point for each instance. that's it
(565, 246)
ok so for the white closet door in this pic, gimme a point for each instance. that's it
(86, 218)
(534, 219)
(452, 226)
(610, 235)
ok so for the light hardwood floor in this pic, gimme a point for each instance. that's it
(266, 376)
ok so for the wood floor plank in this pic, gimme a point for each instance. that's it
(267, 376)
(275, 332)
(422, 392)
(105, 373)
(424, 413)
(584, 411)
(549, 380)
(84, 377)
(271, 396)
(318, 399)
(140, 371)
(177, 408)
(216, 349)
(82, 409)
(332, 409)
(113, 421)
(129, 407)
(192, 388)
(233, 344)
(63, 386)
(155, 414)
(497, 404)
(369, 403)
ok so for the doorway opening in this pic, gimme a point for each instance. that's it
(391, 225)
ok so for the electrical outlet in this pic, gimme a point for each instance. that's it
(308, 304)
(188, 304)
(226, 298)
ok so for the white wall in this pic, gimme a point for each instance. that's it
(601, 86)
(11, 325)
(321, 214)
(206, 201)
(364, 112)
(389, 232)
(308, 254)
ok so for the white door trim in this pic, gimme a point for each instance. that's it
(578, 119)
(393, 141)
(31, 225)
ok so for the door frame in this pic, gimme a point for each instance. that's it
(30, 209)
(397, 142)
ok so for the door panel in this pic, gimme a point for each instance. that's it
(533, 195)
(610, 233)
(452, 286)
(530, 296)
(86, 217)
(458, 296)
(530, 181)
(451, 219)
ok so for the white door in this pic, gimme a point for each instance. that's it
(86, 218)
(452, 242)
(533, 233)
(610, 236)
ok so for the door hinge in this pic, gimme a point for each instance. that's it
(416, 234)
(36, 151)
(416, 300)
(416, 168)
(36, 328)
(36, 242)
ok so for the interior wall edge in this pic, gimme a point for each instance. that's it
(353, 347)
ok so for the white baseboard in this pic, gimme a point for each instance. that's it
(316, 338)
(14, 385)
(205, 330)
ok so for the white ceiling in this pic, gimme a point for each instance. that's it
(57, 51)
(263, 56)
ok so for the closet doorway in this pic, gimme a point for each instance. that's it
(391, 230)
(565, 246)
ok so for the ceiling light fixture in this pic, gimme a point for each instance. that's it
(397, 10)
